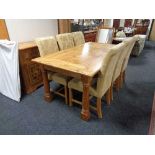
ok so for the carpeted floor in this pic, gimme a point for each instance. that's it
(129, 113)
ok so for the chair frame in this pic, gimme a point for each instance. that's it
(98, 107)
(108, 93)
(65, 95)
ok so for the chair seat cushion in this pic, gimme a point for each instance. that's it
(77, 85)
(59, 78)
(50, 76)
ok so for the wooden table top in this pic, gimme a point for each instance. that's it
(85, 59)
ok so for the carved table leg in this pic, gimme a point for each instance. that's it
(47, 93)
(85, 113)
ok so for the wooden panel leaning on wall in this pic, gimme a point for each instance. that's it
(152, 31)
(3, 30)
(64, 26)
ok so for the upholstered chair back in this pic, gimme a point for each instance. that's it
(65, 41)
(142, 39)
(120, 34)
(106, 73)
(47, 45)
(139, 45)
(78, 38)
(104, 36)
(120, 61)
(130, 44)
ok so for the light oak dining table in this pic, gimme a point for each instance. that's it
(83, 62)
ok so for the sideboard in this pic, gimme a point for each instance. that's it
(90, 36)
(30, 72)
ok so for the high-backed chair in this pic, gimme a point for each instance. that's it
(47, 46)
(117, 72)
(78, 38)
(139, 45)
(105, 35)
(120, 34)
(65, 41)
(130, 44)
(103, 83)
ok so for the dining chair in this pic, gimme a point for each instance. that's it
(116, 79)
(139, 45)
(78, 38)
(120, 34)
(100, 85)
(48, 45)
(65, 41)
(105, 35)
(130, 44)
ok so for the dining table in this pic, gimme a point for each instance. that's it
(82, 62)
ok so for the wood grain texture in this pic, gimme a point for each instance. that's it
(90, 36)
(30, 73)
(26, 45)
(64, 26)
(85, 113)
(85, 59)
(82, 62)
(47, 95)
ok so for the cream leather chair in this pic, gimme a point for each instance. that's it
(105, 35)
(78, 38)
(120, 34)
(139, 45)
(47, 46)
(65, 41)
(130, 42)
(102, 84)
(116, 79)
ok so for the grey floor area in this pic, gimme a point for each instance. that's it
(129, 112)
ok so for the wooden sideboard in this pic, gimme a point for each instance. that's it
(30, 73)
(141, 29)
(90, 36)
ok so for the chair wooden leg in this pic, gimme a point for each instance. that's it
(70, 97)
(111, 92)
(108, 98)
(66, 94)
(120, 81)
(99, 108)
(124, 76)
(117, 84)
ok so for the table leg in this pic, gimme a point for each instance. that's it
(47, 93)
(85, 113)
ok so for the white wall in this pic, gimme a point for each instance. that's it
(22, 30)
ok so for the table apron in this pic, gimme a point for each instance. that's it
(64, 72)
